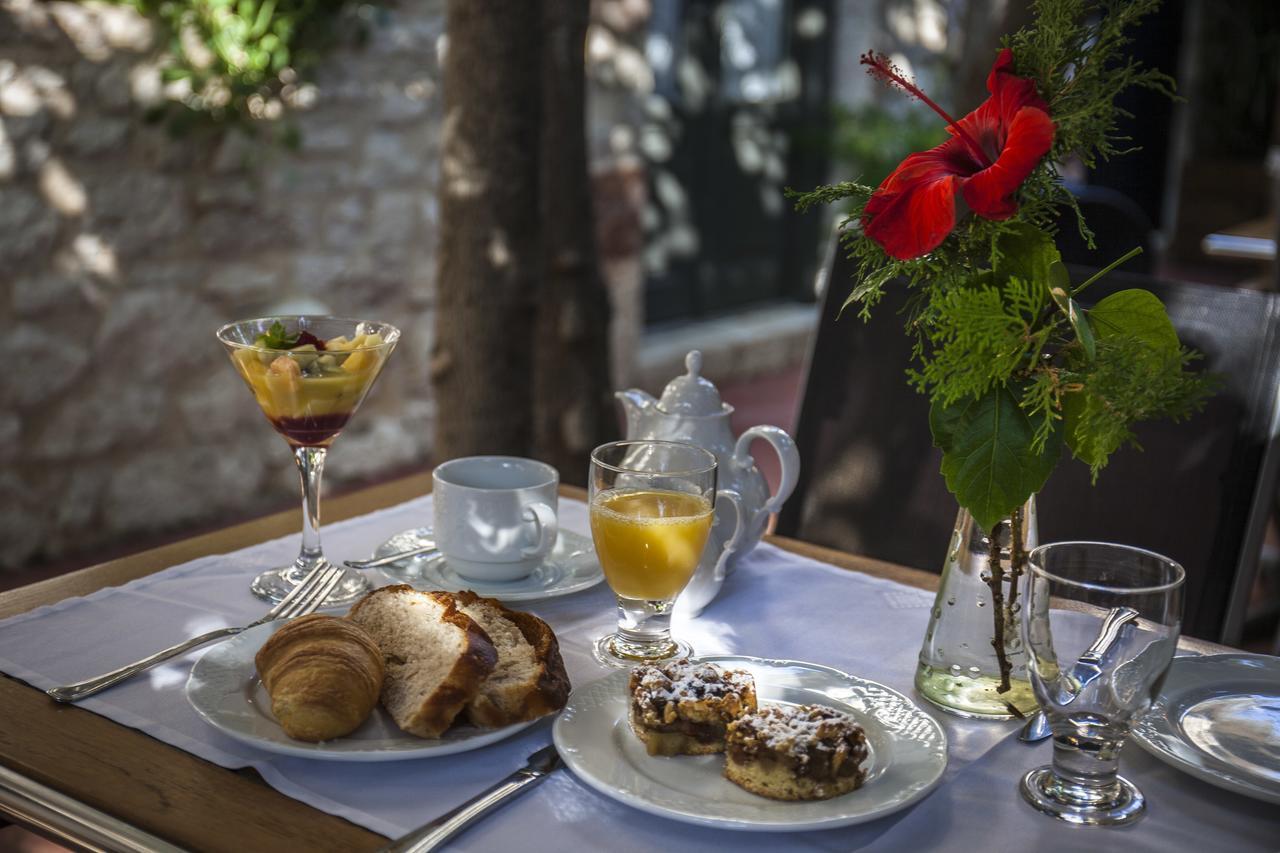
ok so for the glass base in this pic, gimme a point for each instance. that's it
(621, 652)
(275, 584)
(1049, 793)
(975, 697)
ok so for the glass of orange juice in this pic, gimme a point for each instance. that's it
(652, 506)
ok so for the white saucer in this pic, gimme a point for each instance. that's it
(908, 752)
(225, 690)
(570, 567)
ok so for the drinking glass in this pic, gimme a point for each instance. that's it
(309, 375)
(652, 505)
(1090, 678)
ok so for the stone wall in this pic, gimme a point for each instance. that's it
(123, 248)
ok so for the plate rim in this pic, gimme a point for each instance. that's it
(302, 749)
(571, 760)
(485, 589)
(1220, 774)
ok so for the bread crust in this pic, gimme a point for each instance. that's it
(431, 717)
(545, 694)
(324, 675)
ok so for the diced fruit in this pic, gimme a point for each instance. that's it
(305, 338)
(245, 357)
(339, 344)
(360, 360)
(304, 355)
(286, 367)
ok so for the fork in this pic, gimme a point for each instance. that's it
(301, 600)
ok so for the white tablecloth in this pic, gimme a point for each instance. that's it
(776, 605)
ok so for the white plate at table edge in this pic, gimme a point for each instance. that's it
(580, 569)
(225, 691)
(593, 736)
(1163, 738)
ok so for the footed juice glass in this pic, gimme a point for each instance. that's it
(308, 374)
(1092, 677)
(652, 504)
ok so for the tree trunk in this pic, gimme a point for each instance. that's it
(488, 262)
(572, 406)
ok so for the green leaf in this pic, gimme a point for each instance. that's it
(1028, 253)
(277, 338)
(1138, 313)
(1060, 290)
(1084, 445)
(987, 459)
(945, 421)
(1059, 284)
(1084, 333)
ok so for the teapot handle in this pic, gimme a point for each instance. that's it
(788, 456)
(739, 531)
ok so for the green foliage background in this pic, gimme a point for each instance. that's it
(239, 55)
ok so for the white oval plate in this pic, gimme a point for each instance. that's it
(908, 752)
(225, 690)
(1218, 718)
(570, 567)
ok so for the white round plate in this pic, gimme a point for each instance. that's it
(908, 752)
(1218, 718)
(570, 567)
(225, 690)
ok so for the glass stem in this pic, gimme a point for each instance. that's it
(1085, 769)
(310, 462)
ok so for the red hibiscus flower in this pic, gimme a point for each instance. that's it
(991, 152)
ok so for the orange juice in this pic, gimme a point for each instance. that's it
(649, 542)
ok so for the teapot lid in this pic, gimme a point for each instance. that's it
(691, 394)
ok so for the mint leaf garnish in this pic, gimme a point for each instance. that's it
(277, 338)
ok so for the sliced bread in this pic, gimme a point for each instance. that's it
(530, 680)
(436, 656)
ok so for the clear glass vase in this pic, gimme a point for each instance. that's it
(972, 661)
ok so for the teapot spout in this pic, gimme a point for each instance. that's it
(636, 404)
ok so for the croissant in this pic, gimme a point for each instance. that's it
(324, 675)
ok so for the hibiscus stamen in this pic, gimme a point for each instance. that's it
(879, 67)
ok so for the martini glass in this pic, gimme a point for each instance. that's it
(309, 375)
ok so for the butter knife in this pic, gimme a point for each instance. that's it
(1087, 669)
(431, 836)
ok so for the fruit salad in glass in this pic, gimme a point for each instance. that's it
(309, 375)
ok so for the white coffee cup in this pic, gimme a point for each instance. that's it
(495, 516)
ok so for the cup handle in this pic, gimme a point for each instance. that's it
(739, 531)
(544, 518)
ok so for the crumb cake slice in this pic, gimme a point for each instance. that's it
(683, 707)
(796, 752)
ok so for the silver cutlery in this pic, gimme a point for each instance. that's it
(431, 836)
(1085, 670)
(427, 548)
(303, 599)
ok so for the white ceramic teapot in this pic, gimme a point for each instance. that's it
(691, 411)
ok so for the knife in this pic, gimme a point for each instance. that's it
(449, 824)
(1087, 669)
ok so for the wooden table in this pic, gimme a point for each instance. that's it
(183, 799)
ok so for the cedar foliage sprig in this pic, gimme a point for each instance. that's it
(1014, 367)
